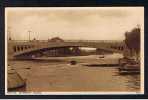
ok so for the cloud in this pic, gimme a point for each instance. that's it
(96, 23)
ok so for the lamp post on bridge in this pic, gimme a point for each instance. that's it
(29, 34)
(9, 33)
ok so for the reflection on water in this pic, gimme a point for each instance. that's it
(133, 81)
(56, 74)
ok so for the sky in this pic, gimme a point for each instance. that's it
(72, 23)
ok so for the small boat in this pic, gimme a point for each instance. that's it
(101, 56)
(130, 69)
(129, 72)
(129, 66)
(73, 62)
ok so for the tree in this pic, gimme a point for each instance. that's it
(132, 40)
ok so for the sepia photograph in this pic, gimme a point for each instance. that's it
(74, 50)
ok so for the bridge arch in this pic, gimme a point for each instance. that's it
(15, 48)
(18, 48)
(25, 47)
(21, 48)
(53, 50)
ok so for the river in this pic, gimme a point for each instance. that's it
(48, 74)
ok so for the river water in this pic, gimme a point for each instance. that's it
(56, 74)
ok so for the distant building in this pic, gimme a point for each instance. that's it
(56, 39)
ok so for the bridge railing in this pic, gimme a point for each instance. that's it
(92, 41)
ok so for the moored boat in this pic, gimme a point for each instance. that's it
(129, 66)
(101, 56)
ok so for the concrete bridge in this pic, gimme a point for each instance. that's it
(23, 48)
